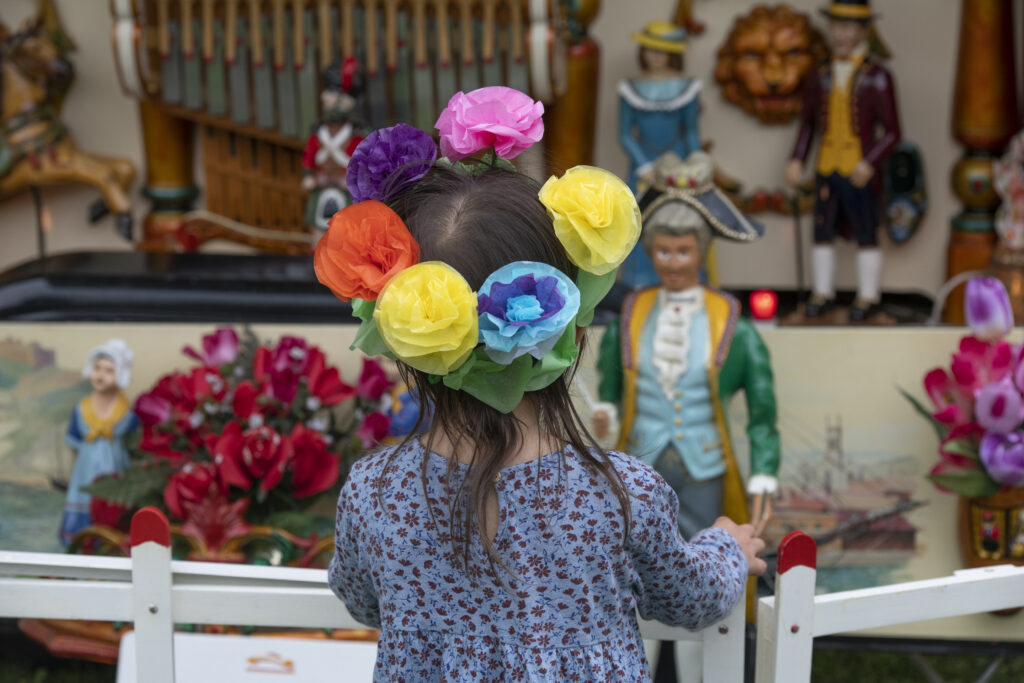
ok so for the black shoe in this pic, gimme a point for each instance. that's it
(862, 311)
(818, 307)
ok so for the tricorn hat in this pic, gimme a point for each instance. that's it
(850, 10)
(691, 181)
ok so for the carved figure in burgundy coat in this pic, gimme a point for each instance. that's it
(850, 101)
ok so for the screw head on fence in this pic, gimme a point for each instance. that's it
(723, 629)
(794, 628)
(153, 609)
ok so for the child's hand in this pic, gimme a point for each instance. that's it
(750, 544)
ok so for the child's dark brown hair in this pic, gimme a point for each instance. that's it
(477, 224)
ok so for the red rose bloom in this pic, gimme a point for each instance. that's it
(373, 382)
(191, 484)
(314, 468)
(265, 454)
(373, 429)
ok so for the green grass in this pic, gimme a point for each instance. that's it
(835, 666)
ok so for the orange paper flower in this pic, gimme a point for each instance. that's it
(365, 246)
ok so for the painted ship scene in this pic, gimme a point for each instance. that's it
(853, 504)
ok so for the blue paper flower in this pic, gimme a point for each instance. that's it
(524, 308)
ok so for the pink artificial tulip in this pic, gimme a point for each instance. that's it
(987, 307)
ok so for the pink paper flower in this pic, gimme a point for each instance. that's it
(999, 407)
(495, 116)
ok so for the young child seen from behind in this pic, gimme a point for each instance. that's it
(502, 544)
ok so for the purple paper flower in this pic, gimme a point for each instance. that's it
(1003, 457)
(999, 407)
(524, 308)
(987, 308)
(388, 161)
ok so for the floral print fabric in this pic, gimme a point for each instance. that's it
(564, 606)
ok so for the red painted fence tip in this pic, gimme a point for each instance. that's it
(797, 549)
(149, 524)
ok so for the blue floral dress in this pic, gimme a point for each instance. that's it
(567, 612)
(99, 449)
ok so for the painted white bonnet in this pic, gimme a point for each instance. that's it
(119, 353)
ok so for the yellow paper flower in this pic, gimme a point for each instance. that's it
(595, 217)
(427, 316)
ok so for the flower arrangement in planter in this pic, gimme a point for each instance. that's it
(240, 449)
(979, 417)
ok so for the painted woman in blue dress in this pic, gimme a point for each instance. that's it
(96, 433)
(658, 113)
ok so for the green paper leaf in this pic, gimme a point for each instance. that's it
(505, 164)
(363, 309)
(962, 447)
(560, 358)
(369, 341)
(940, 429)
(970, 483)
(499, 386)
(593, 288)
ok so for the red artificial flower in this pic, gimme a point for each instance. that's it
(373, 382)
(106, 513)
(226, 449)
(261, 364)
(153, 409)
(215, 521)
(314, 468)
(158, 444)
(265, 454)
(219, 348)
(324, 382)
(191, 484)
(373, 429)
(244, 404)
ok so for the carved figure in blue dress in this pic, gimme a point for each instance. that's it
(97, 430)
(658, 113)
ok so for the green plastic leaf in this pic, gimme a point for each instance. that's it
(964, 447)
(940, 429)
(136, 486)
(593, 288)
(970, 483)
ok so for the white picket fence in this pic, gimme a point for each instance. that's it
(788, 623)
(156, 592)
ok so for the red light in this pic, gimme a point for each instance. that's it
(763, 304)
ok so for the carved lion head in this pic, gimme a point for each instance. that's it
(763, 61)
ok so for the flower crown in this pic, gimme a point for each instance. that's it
(518, 333)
